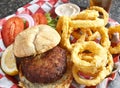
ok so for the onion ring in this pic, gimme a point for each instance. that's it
(101, 10)
(111, 31)
(97, 53)
(102, 30)
(87, 23)
(94, 36)
(27, 18)
(86, 14)
(65, 27)
(105, 71)
(60, 24)
(105, 42)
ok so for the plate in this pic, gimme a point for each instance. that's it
(45, 6)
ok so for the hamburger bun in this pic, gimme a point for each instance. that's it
(35, 40)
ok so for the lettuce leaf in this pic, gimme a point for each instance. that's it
(51, 21)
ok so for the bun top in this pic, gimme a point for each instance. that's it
(35, 40)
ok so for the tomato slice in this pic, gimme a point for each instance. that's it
(11, 28)
(39, 18)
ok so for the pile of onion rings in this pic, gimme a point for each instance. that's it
(89, 44)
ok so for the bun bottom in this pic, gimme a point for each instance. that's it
(64, 82)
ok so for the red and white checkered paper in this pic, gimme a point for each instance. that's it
(46, 6)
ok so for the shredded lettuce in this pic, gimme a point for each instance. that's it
(51, 21)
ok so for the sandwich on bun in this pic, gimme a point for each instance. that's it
(44, 63)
